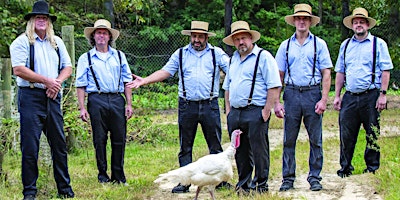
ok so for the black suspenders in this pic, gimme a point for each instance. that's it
(32, 60)
(373, 59)
(213, 77)
(254, 78)
(94, 75)
(314, 60)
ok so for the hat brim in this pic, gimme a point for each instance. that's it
(290, 18)
(28, 16)
(255, 35)
(89, 30)
(348, 21)
(189, 32)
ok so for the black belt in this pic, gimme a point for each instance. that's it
(247, 107)
(361, 93)
(302, 88)
(105, 93)
(204, 101)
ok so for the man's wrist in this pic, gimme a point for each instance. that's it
(383, 92)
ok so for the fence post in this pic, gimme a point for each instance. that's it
(69, 92)
(6, 87)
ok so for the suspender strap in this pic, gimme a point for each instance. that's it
(120, 69)
(181, 68)
(213, 76)
(344, 57)
(373, 60)
(91, 70)
(287, 59)
(315, 58)
(254, 78)
(31, 57)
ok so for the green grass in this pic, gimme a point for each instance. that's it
(157, 153)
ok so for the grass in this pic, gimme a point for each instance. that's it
(145, 160)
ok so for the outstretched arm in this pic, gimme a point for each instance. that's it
(157, 76)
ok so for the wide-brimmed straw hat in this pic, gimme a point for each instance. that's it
(240, 27)
(198, 27)
(101, 23)
(40, 8)
(358, 13)
(302, 10)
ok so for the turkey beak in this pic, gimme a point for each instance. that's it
(237, 139)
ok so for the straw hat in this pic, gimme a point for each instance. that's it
(40, 8)
(303, 10)
(198, 27)
(361, 13)
(101, 23)
(240, 27)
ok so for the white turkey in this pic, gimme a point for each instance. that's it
(208, 171)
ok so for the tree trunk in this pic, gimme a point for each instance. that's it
(227, 24)
(320, 3)
(345, 13)
(109, 11)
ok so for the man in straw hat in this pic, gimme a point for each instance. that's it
(102, 73)
(362, 67)
(251, 88)
(41, 63)
(304, 66)
(198, 65)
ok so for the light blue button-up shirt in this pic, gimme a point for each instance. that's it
(198, 71)
(240, 77)
(46, 61)
(359, 63)
(110, 74)
(301, 60)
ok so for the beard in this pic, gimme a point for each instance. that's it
(243, 49)
(199, 47)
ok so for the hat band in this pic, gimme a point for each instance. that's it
(239, 29)
(199, 29)
(303, 11)
(360, 14)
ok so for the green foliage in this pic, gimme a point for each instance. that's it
(9, 128)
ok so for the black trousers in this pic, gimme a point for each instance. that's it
(107, 114)
(357, 110)
(253, 152)
(40, 114)
(191, 113)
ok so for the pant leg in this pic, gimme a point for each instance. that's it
(210, 121)
(292, 121)
(313, 124)
(31, 107)
(188, 121)
(349, 123)
(98, 110)
(55, 136)
(243, 156)
(117, 124)
(259, 145)
(372, 126)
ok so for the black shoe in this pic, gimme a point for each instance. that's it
(123, 183)
(286, 185)
(103, 179)
(368, 171)
(343, 174)
(181, 188)
(315, 186)
(30, 197)
(66, 195)
(223, 185)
